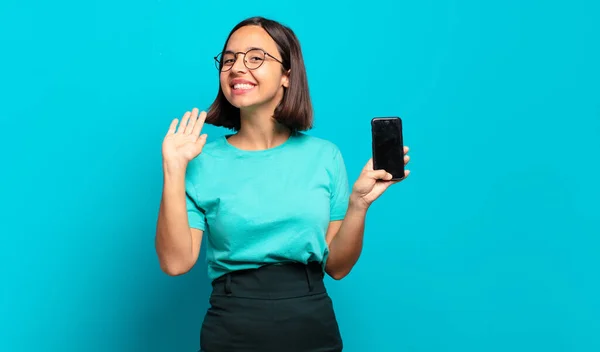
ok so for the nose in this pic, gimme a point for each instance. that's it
(238, 65)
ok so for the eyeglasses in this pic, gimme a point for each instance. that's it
(253, 59)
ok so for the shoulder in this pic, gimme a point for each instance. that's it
(214, 147)
(211, 151)
(322, 153)
(322, 146)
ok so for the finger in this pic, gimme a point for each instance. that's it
(405, 149)
(199, 123)
(192, 122)
(201, 141)
(173, 126)
(406, 159)
(406, 173)
(184, 121)
(379, 175)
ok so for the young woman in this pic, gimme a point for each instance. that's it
(273, 202)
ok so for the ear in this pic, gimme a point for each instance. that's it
(285, 79)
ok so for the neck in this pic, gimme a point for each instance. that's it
(259, 130)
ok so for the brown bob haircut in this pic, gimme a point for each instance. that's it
(295, 109)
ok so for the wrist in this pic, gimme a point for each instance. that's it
(174, 166)
(174, 170)
(357, 204)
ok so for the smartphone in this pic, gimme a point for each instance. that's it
(388, 145)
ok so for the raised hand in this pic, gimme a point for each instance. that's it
(184, 143)
(372, 183)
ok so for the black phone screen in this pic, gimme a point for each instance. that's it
(388, 145)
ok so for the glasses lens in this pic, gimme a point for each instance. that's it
(218, 61)
(226, 61)
(254, 58)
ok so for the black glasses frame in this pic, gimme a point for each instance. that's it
(235, 55)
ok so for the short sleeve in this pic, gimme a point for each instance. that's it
(339, 192)
(196, 216)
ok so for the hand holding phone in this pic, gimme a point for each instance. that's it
(386, 167)
(388, 146)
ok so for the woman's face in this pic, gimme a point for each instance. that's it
(252, 88)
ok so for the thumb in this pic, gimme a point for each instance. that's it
(379, 175)
(201, 141)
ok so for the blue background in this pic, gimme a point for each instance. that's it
(492, 244)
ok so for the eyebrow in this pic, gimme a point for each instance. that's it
(250, 48)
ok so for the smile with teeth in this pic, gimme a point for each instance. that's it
(243, 86)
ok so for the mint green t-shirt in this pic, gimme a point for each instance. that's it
(267, 206)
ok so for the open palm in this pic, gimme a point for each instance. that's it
(184, 143)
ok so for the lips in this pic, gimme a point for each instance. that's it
(243, 86)
(240, 86)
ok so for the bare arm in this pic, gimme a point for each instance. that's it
(345, 240)
(177, 245)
